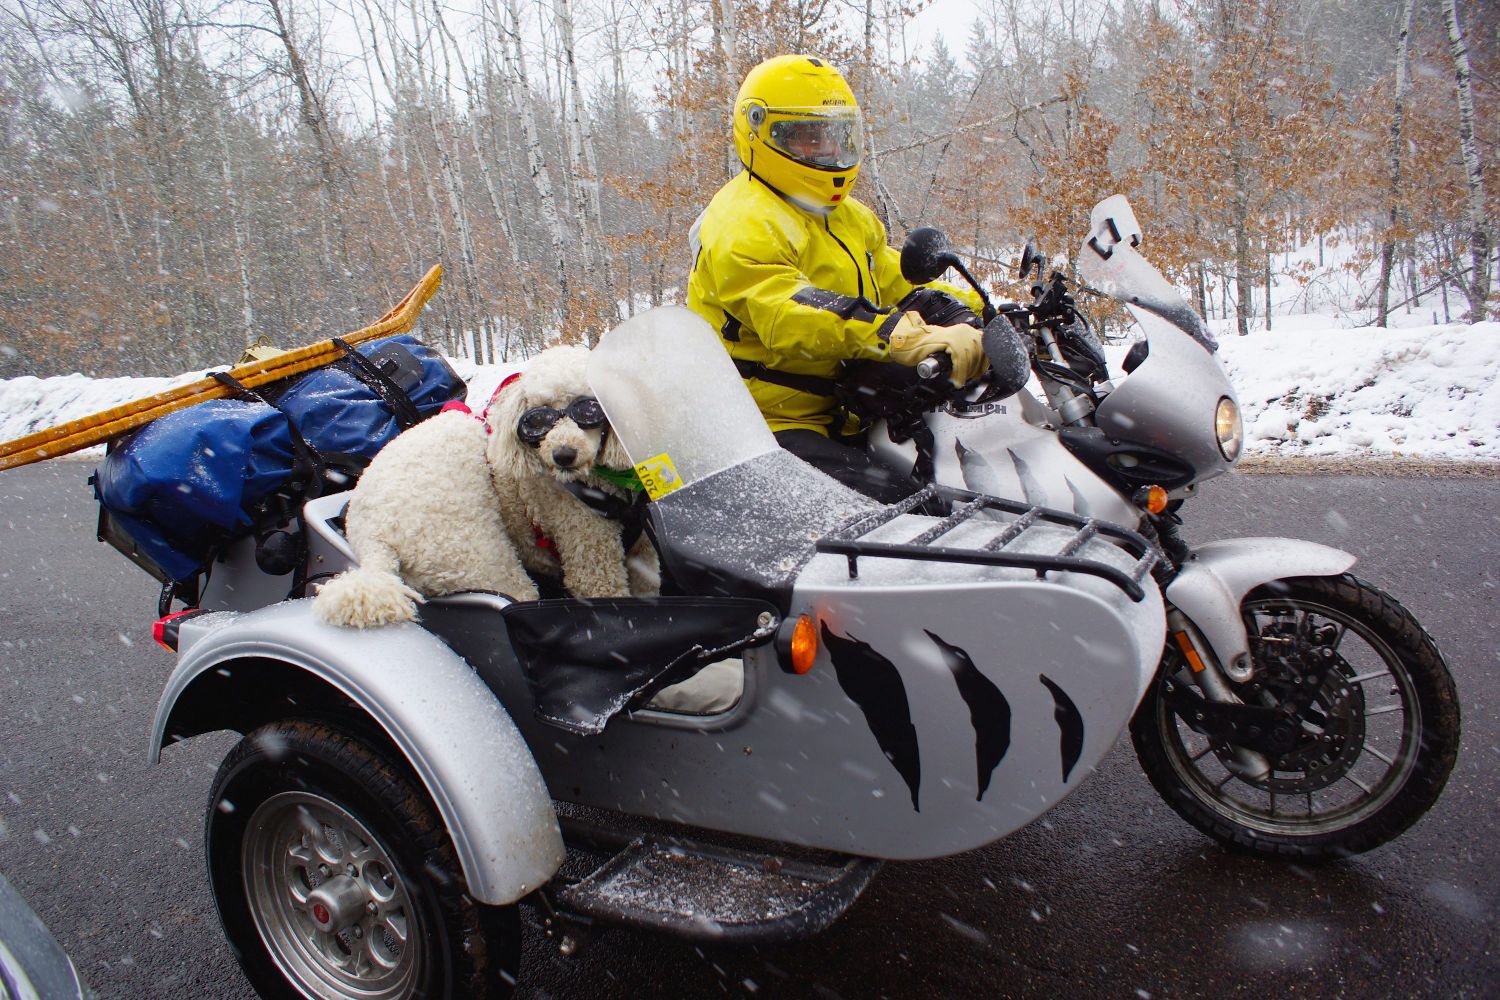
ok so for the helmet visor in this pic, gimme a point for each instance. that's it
(826, 138)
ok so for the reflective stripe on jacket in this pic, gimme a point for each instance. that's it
(796, 292)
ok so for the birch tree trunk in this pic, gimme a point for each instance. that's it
(1480, 238)
(411, 146)
(232, 201)
(383, 145)
(1388, 246)
(487, 175)
(541, 178)
(310, 109)
(586, 180)
(478, 328)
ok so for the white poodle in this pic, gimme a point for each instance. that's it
(549, 444)
(454, 504)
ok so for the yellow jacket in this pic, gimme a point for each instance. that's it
(796, 292)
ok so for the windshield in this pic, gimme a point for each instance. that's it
(1109, 262)
(675, 400)
(1171, 400)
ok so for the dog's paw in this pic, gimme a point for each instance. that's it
(363, 598)
(644, 574)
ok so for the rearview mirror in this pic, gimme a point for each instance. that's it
(1030, 257)
(1010, 365)
(926, 255)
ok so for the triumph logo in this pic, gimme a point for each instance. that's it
(969, 411)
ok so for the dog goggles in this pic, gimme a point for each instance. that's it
(534, 424)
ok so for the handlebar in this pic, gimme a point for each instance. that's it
(938, 365)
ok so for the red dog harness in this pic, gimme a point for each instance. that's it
(463, 407)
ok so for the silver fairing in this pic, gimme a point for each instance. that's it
(1169, 402)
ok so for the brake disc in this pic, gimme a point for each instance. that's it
(1331, 720)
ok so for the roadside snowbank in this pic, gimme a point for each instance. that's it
(1427, 392)
(1306, 389)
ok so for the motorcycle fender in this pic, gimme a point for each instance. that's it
(1210, 586)
(436, 711)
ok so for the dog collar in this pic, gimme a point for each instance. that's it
(463, 407)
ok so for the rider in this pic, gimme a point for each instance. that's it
(796, 276)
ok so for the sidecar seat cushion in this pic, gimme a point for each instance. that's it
(750, 529)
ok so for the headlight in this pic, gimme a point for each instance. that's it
(1228, 428)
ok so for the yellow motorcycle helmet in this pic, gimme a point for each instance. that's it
(797, 127)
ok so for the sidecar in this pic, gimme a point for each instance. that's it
(915, 681)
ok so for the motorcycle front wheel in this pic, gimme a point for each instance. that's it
(335, 878)
(1374, 746)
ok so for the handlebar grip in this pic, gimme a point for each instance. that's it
(933, 366)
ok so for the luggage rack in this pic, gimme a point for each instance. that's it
(846, 540)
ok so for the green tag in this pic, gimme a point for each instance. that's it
(624, 479)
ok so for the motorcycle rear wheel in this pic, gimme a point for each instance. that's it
(1376, 744)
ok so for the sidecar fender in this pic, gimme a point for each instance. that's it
(1211, 585)
(237, 671)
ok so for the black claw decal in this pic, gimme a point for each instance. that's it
(1030, 488)
(1070, 723)
(873, 683)
(1080, 502)
(989, 712)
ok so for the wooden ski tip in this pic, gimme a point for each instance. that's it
(98, 428)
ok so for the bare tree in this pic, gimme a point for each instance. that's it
(541, 177)
(1477, 285)
(1388, 245)
(585, 173)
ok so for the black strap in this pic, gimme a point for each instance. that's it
(378, 382)
(851, 307)
(913, 428)
(629, 512)
(311, 461)
(818, 385)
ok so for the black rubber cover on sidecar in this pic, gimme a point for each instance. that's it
(750, 529)
(586, 661)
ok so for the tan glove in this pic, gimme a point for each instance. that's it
(912, 341)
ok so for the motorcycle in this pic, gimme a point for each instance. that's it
(914, 681)
(1298, 711)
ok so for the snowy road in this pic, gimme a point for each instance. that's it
(1111, 896)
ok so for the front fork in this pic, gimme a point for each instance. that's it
(1203, 665)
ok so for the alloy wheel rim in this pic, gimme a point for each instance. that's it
(329, 902)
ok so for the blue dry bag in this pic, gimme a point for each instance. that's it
(185, 485)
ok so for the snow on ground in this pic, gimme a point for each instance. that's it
(1425, 392)
(1307, 388)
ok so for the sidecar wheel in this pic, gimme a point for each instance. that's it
(1374, 748)
(335, 879)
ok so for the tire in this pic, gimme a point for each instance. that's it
(1373, 749)
(307, 822)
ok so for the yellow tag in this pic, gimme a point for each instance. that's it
(659, 476)
(259, 351)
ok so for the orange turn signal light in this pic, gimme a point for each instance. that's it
(1152, 498)
(804, 645)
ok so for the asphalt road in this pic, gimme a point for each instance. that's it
(1110, 895)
